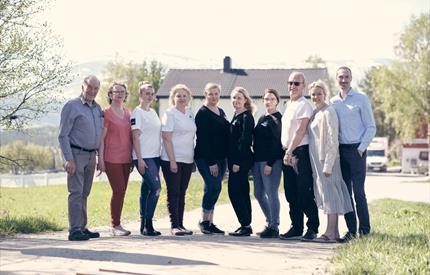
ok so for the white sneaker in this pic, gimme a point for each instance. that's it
(119, 231)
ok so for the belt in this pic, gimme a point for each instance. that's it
(349, 146)
(83, 149)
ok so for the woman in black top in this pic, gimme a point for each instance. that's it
(267, 167)
(240, 159)
(211, 153)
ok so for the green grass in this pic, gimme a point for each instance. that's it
(37, 209)
(399, 243)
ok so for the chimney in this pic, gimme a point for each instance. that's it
(227, 64)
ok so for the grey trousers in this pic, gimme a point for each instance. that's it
(266, 191)
(79, 187)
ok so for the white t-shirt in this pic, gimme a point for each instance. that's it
(183, 130)
(295, 110)
(150, 132)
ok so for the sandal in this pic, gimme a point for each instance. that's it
(324, 239)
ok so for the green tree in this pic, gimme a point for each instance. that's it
(32, 71)
(384, 128)
(132, 73)
(403, 88)
(315, 61)
(28, 157)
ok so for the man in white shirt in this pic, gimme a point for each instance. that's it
(298, 181)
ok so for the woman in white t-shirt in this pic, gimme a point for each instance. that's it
(177, 154)
(146, 129)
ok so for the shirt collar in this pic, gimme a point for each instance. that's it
(299, 99)
(85, 102)
(351, 92)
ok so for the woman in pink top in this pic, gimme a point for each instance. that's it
(115, 152)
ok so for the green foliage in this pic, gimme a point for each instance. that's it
(394, 162)
(11, 225)
(49, 203)
(26, 157)
(399, 243)
(403, 87)
(132, 73)
(384, 127)
(315, 61)
(31, 72)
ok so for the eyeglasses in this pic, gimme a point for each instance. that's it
(296, 83)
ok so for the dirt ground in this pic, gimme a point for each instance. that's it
(51, 253)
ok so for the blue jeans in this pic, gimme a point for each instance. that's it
(266, 190)
(150, 188)
(212, 185)
(353, 168)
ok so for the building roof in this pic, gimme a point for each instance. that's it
(254, 80)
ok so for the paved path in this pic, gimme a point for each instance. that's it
(50, 253)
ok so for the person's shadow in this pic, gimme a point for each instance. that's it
(108, 256)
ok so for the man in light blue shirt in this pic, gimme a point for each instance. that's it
(356, 131)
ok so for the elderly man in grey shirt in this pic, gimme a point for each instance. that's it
(80, 131)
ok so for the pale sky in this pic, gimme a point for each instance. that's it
(253, 33)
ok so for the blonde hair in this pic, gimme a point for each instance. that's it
(210, 86)
(144, 85)
(110, 90)
(320, 84)
(248, 101)
(175, 89)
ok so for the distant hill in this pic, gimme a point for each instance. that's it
(44, 136)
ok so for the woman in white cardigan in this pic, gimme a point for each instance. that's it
(331, 193)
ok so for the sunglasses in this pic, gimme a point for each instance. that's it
(296, 83)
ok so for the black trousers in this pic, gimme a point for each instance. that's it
(353, 168)
(177, 184)
(299, 191)
(238, 192)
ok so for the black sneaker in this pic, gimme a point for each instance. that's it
(349, 236)
(78, 236)
(205, 227)
(242, 231)
(309, 236)
(215, 230)
(269, 233)
(259, 233)
(90, 234)
(291, 234)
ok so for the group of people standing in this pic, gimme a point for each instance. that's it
(320, 149)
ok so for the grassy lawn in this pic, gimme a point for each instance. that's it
(399, 243)
(36, 209)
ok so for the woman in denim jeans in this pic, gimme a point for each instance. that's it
(267, 167)
(146, 128)
(210, 153)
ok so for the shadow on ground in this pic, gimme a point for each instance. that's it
(108, 255)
